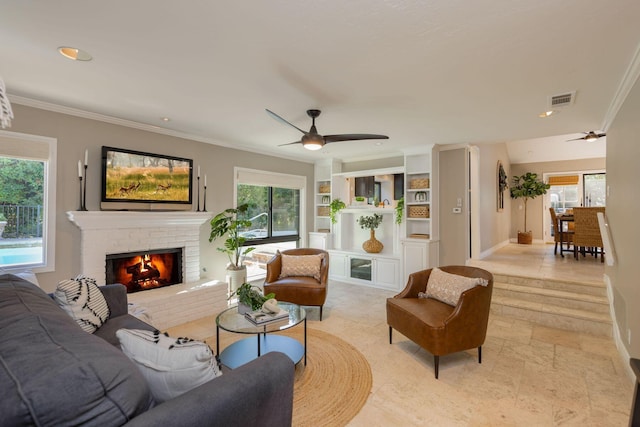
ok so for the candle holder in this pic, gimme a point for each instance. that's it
(83, 204)
(204, 204)
(198, 210)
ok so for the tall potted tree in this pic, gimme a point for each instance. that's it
(526, 187)
(230, 223)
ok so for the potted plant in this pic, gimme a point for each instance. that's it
(526, 187)
(371, 222)
(250, 298)
(399, 211)
(336, 206)
(229, 223)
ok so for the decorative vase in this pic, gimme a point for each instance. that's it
(373, 245)
(244, 308)
(236, 276)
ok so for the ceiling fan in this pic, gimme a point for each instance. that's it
(312, 140)
(589, 136)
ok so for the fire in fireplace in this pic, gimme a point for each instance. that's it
(140, 271)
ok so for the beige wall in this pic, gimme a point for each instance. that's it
(494, 225)
(623, 210)
(75, 134)
(453, 227)
(535, 209)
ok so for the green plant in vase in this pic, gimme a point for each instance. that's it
(371, 222)
(250, 296)
(336, 206)
(399, 211)
(229, 224)
(526, 187)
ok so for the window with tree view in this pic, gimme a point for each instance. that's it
(275, 216)
(22, 220)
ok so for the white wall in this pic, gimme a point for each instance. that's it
(494, 225)
(623, 211)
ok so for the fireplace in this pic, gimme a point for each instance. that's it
(144, 270)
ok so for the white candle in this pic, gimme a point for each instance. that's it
(86, 157)
(205, 179)
(79, 169)
(198, 171)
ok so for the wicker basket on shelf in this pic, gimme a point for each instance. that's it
(421, 211)
(324, 188)
(323, 210)
(418, 183)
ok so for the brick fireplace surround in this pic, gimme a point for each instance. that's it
(111, 232)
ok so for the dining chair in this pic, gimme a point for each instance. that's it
(566, 236)
(587, 238)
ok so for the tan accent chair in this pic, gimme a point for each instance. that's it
(437, 327)
(301, 290)
(564, 237)
(587, 237)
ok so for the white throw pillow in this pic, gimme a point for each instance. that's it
(301, 265)
(82, 300)
(171, 366)
(447, 287)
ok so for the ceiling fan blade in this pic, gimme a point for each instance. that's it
(353, 137)
(290, 143)
(280, 119)
(577, 139)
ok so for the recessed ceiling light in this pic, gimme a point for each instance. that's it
(378, 143)
(548, 114)
(165, 119)
(74, 54)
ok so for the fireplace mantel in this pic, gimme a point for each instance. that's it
(99, 220)
(112, 232)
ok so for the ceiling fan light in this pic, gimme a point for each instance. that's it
(591, 138)
(312, 142)
(312, 145)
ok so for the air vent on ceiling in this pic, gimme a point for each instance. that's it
(562, 100)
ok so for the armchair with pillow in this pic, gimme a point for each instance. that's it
(299, 276)
(444, 310)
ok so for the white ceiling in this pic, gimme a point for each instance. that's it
(420, 71)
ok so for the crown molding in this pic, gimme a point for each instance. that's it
(628, 80)
(56, 108)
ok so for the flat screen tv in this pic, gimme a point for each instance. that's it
(135, 180)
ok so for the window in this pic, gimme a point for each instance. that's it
(275, 202)
(27, 202)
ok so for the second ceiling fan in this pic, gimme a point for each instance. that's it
(589, 136)
(312, 140)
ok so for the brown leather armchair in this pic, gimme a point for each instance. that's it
(301, 290)
(437, 327)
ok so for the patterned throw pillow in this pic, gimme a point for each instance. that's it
(301, 265)
(171, 366)
(81, 299)
(447, 287)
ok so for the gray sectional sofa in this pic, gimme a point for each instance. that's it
(52, 373)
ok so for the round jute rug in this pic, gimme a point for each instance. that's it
(334, 385)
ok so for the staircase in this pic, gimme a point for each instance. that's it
(574, 306)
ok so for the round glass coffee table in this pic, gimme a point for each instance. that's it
(247, 349)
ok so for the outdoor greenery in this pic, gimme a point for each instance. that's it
(21, 182)
(526, 187)
(251, 296)
(370, 222)
(229, 223)
(284, 207)
(336, 206)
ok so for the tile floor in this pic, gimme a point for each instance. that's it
(530, 375)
